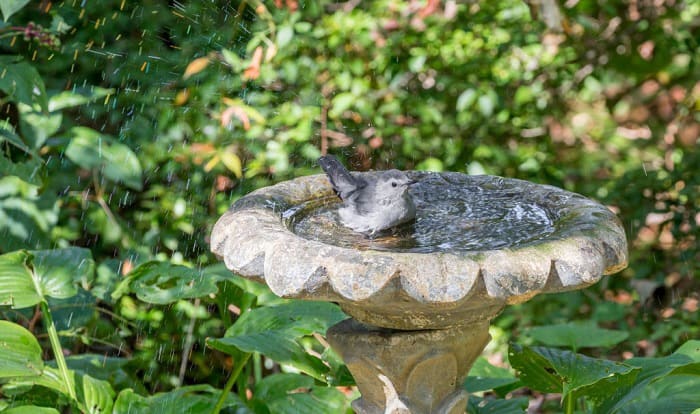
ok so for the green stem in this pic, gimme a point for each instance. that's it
(57, 349)
(569, 403)
(231, 380)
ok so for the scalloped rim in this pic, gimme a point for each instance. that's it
(254, 242)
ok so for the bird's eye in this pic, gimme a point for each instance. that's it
(394, 184)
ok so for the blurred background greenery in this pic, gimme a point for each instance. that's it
(155, 116)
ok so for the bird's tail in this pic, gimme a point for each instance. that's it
(342, 181)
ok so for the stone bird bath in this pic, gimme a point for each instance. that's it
(420, 299)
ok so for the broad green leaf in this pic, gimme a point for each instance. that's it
(31, 409)
(163, 282)
(670, 394)
(69, 99)
(573, 375)
(17, 288)
(674, 379)
(20, 353)
(10, 7)
(484, 376)
(477, 405)
(274, 330)
(21, 81)
(28, 277)
(74, 312)
(293, 394)
(93, 150)
(184, 400)
(576, 335)
(97, 396)
(58, 271)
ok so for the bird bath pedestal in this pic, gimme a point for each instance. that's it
(420, 299)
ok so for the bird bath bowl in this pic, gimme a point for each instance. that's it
(421, 296)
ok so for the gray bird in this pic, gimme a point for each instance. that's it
(370, 203)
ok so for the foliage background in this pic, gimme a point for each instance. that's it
(155, 116)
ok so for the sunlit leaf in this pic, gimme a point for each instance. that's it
(93, 150)
(232, 162)
(196, 66)
(20, 353)
(28, 277)
(10, 7)
(69, 99)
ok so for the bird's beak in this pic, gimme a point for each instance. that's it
(411, 182)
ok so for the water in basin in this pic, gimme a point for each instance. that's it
(453, 213)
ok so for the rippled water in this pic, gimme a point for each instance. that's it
(453, 213)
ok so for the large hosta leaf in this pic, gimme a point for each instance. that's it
(19, 79)
(274, 331)
(573, 375)
(20, 353)
(27, 277)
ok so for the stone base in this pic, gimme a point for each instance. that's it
(409, 372)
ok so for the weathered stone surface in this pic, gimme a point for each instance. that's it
(416, 372)
(420, 290)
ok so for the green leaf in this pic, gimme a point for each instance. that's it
(28, 171)
(17, 288)
(484, 376)
(69, 99)
(110, 369)
(576, 335)
(21, 81)
(184, 400)
(58, 271)
(20, 353)
(293, 394)
(37, 126)
(163, 282)
(97, 396)
(8, 133)
(25, 216)
(341, 103)
(10, 7)
(30, 409)
(274, 331)
(672, 381)
(93, 150)
(27, 277)
(477, 405)
(573, 375)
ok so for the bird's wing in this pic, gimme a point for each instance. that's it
(344, 184)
